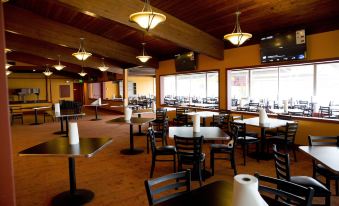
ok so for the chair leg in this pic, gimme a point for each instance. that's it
(257, 150)
(328, 183)
(244, 152)
(233, 164)
(22, 120)
(336, 187)
(328, 200)
(200, 176)
(294, 152)
(152, 166)
(174, 164)
(212, 162)
(147, 143)
(44, 118)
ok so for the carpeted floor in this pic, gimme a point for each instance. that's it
(116, 179)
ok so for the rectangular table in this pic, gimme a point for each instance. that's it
(96, 110)
(36, 113)
(133, 121)
(60, 147)
(209, 133)
(203, 115)
(219, 193)
(65, 116)
(139, 112)
(326, 155)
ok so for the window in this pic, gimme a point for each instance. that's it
(264, 84)
(193, 89)
(327, 84)
(239, 84)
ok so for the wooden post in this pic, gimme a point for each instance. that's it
(125, 86)
(7, 190)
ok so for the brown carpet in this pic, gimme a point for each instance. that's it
(116, 179)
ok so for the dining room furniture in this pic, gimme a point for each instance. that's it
(65, 116)
(162, 151)
(189, 152)
(96, 106)
(203, 115)
(209, 133)
(139, 112)
(181, 119)
(227, 149)
(285, 138)
(160, 131)
(245, 139)
(284, 192)
(133, 121)
(175, 181)
(59, 147)
(16, 113)
(36, 113)
(218, 193)
(271, 123)
(282, 168)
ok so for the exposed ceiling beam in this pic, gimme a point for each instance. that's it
(61, 34)
(51, 51)
(173, 30)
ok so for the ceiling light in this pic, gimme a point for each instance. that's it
(237, 37)
(7, 50)
(103, 67)
(81, 54)
(4, 1)
(8, 65)
(59, 66)
(82, 73)
(47, 72)
(144, 57)
(8, 72)
(147, 19)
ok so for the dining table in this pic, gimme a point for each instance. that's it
(209, 133)
(96, 110)
(203, 115)
(326, 155)
(219, 193)
(139, 112)
(66, 116)
(133, 121)
(36, 113)
(270, 123)
(60, 147)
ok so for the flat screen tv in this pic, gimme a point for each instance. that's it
(287, 46)
(186, 62)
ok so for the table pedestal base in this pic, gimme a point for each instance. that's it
(95, 119)
(59, 132)
(35, 123)
(129, 151)
(139, 134)
(261, 155)
(80, 197)
(205, 174)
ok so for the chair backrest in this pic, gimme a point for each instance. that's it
(218, 119)
(160, 114)
(303, 102)
(182, 180)
(151, 136)
(285, 192)
(284, 117)
(189, 148)
(323, 140)
(291, 131)
(325, 111)
(234, 134)
(15, 110)
(180, 111)
(241, 128)
(225, 124)
(282, 164)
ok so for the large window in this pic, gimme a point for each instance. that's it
(195, 89)
(317, 83)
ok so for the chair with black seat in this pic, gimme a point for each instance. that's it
(217, 120)
(181, 119)
(160, 114)
(283, 191)
(325, 112)
(285, 138)
(320, 169)
(253, 107)
(246, 138)
(282, 168)
(167, 150)
(189, 152)
(16, 113)
(274, 132)
(177, 183)
(225, 124)
(160, 132)
(227, 149)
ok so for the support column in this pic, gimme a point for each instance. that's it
(125, 86)
(7, 190)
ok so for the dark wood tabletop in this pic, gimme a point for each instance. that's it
(60, 115)
(326, 155)
(133, 120)
(209, 133)
(218, 193)
(60, 147)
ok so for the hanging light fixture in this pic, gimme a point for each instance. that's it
(82, 73)
(47, 72)
(8, 65)
(8, 72)
(103, 67)
(81, 54)
(59, 66)
(237, 37)
(7, 50)
(147, 18)
(143, 57)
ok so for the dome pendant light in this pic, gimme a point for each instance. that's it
(143, 57)
(47, 72)
(147, 18)
(82, 73)
(81, 54)
(103, 67)
(237, 37)
(59, 66)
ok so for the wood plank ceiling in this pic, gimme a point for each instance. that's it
(42, 28)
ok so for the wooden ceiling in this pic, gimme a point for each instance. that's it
(46, 28)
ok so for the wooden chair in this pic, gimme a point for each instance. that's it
(325, 112)
(225, 149)
(181, 118)
(160, 131)
(284, 192)
(182, 181)
(49, 113)
(282, 168)
(320, 169)
(16, 113)
(245, 139)
(189, 152)
(167, 150)
(285, 138)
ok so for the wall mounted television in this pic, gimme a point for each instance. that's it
(287, 46)
(186, 62)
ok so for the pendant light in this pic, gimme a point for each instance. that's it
(47, 72)
(7, 50)
(237, 37)
(8, 72)
(103, 67)
(143, 57)
(59, 66)
(82, 73)
(81, 54)
(147, 18)
(8, 65)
